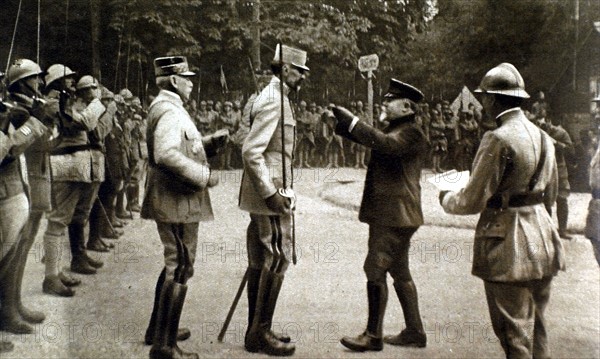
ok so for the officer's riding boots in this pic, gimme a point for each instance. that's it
(372, 337)
(414, 334)
(260, 337)
(182, 333)
(170, 306)
(252, 291)
(80, 262)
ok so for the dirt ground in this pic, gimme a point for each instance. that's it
(324, 295)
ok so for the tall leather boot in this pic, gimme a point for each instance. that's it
(252, 293)
(10, 318)
(79, 262)
(27, 239)
(182, 333)
(562, 214)
(275, 289)
(372, 337)
(414, 334)
(120, 208)
(260, 337)
(169, 312)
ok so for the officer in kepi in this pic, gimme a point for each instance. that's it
(265, 194)
(176, 198)
(391, 206)
(517, 248)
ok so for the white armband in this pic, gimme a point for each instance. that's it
(353, 124)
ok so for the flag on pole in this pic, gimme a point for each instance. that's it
(223, 81)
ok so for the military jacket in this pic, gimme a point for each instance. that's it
(514, 243)
(261, 151)
(176, 152)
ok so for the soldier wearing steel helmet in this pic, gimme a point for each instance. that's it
(59, 79)
(100, 226)
(21, 127)
(513, 186)
(77, 171)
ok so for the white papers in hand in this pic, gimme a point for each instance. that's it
(450, 181)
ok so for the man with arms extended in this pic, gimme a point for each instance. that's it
(517, 248)
(391, 206)
(263, 195)
(176, 197)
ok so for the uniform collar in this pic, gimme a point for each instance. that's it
(507, 111)
(166, 95)
(275, 81)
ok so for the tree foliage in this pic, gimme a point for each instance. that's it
(439, 45)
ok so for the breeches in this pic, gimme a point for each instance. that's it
(269, 242)
(388, 252)
(180, 241)
(71, 203)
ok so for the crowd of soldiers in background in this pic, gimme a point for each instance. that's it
(453, 136)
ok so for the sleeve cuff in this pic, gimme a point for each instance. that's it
(353, 123)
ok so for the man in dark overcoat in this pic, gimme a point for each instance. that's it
(391, 206)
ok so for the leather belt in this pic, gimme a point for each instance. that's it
(518, 200)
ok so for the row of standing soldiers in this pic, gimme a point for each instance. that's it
(453, 137)
(74, 152)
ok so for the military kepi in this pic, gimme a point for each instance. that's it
(399, 89)
(290, 55)
(172, 65)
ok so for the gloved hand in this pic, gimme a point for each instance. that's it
(343, 115)
(441, 196)
(213, 179)
(278, 204)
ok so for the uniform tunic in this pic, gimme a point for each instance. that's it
(263, 174)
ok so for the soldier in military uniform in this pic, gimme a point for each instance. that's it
(306, 138)
(20, 129)
(99, 221)
(227, 120)
(58, 78)
(265, 196)
(139, 154)
(360, 150)
(439, 144)
(323, 137)
(204, 119)
(77, 171)
(513, 186)
(563, 147)
(469, 135)
(335, 146)
(176, 197)
(391, 206)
